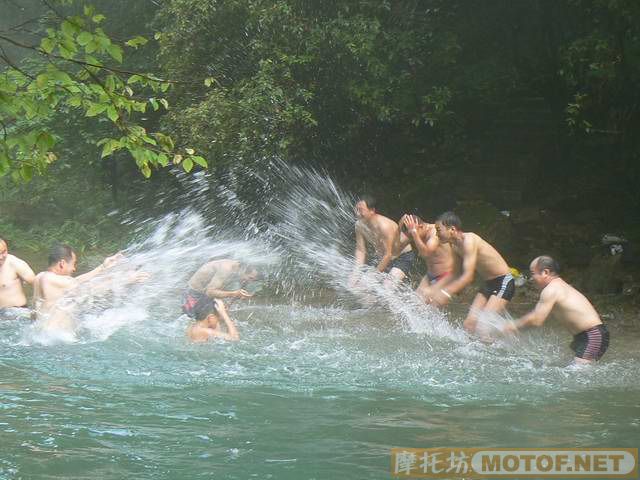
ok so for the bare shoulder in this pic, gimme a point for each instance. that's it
(471, 241)
(13, 261)
(385, 224)
(552, 290)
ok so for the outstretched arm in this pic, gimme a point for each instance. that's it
(538, 315)
(215, 288)
(105, 265)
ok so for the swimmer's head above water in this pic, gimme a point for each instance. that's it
(448, 225)
(365, 207)
(544, 269)
(62, 259)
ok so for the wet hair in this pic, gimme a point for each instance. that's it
(369, 200)
(60, 252)
(450, 219)
(546, 262)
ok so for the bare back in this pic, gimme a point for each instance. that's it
(214, 273)
(487, 261)
(48, 291)
(380, 233)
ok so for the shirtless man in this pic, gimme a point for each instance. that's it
(206, 288)
(53, 306)
(570, 307)
(209, 327)
(475, 254)
(380, 232)
(13, 272)
(437, 256)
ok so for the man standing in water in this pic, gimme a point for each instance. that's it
(437, 256)
(13, 272)
(475, 254)
(380, 232)
(575, 312)
(206, 288)
(53, 305)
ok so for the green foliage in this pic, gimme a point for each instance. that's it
(73, 72)
(298, 78)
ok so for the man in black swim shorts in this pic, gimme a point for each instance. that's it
(475, 254)
(380, 232)
(577, 314)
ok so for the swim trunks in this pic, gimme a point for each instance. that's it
(197, 305)
(403, 262)
(502, 287)
(592, 343)
(436, 278)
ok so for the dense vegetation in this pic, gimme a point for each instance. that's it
(526, 106)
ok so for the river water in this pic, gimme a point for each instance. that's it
(308, 392)
(315, 388)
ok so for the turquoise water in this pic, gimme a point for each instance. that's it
(308, 393)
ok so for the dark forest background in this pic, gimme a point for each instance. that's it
(525, 107)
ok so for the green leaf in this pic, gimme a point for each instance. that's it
(163, 160)
(84, 38)
(112, 113)
(136, 41)
(208, 81)
(96, 109)
(109, 147)
(116, 52)
(187, 165)
(88, 10)
(68, 28)
(41, 80)
(200, 161)
(190, 151)
(146, 171)
(47, 45)
(92, 46)
(154, 103)
(164, 103)
(26, 172)
(98, 18)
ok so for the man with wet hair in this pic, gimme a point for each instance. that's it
(476, 255)
(13, 273)
(569, 306)
(50, 289)
(380, 232)
(203, 300)
(437, 255)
